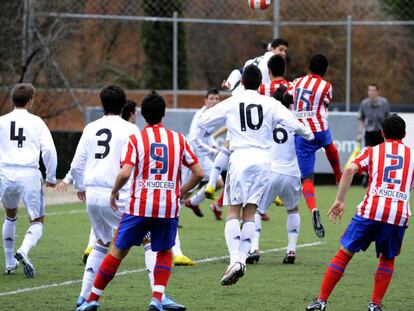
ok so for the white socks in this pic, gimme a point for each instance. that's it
(198, 197)
(9, 233)
(232, 233)
(292, 226)
(93, 263)
(33, 234)
(176, 249)
(220, 163)
(92, 238)
(150, 259)
(246, 237)
(258, 230)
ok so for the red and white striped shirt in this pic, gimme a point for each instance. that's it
(390, 167)
(269, 88)
(311, 97)
(157, 155)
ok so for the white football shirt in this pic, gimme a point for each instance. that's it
(250, 119)
(97, 160)
(22, 137)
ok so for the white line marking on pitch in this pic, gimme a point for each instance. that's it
(75, 211)
(209, 259)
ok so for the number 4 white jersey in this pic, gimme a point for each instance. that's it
(97, 160)
(22, 137)
(250, 119)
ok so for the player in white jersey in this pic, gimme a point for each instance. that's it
(250, 119)
(205, 148)
(23, 136)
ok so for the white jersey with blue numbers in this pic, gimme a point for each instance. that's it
(283, 152)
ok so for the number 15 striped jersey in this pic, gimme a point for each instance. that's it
(157, 154)
(390, 167)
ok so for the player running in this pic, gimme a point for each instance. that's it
(154, 156)
(312, 96)
(205, 148)
(23, 136)
(250, 119)
(382, 216)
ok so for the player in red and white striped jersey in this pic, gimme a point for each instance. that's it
(311, 96)
(276, 67)
(154, 156)
(382, 216)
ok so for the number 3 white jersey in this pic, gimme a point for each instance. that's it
(22, 137)
(97, 160)
(250, 119)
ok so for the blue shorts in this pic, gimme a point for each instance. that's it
(132, 230)
(306, 151)
(361, 232)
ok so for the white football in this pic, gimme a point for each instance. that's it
(259, 4)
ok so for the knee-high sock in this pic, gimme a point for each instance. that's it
(333, 274)
(382, 279)
(257, 232)
(292, 227)
(105, 275)
(333, 158)
(150, 258)
(176, 249)
(232, 235)
(92, 238)
(162, 272)
(9, 235)
(308, 191)
(220, 200)
(93, 263)
(220, 163)
(198, 197)
(246, 237)
(33, 235)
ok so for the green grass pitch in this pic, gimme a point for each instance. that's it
(268, 285)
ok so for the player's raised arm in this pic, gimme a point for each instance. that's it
(286, 117)
(215, 115)
(49, 155)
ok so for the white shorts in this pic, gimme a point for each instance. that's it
(24, 183)
(288, 188)
(207, 165)
(247, 177)
(103, 219)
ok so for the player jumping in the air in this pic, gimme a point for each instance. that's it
(381, 217)
(250, 119)
(22, 137)
(154, 156)
(312, 96)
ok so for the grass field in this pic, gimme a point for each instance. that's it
(266, 286)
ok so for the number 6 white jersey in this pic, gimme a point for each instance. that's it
(97, 160)
(22, 137)
(250, 119)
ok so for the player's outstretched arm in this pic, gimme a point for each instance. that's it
(49, 155)
(337, 210)
(120, 181)
(197, 175)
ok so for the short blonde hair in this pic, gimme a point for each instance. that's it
(22, 93)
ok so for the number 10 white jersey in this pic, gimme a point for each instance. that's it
(250, 119)
(97, 160)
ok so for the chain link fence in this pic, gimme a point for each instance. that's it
(73, 45)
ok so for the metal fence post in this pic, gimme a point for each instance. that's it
(276, 19)
(348, 62)
(175, 59)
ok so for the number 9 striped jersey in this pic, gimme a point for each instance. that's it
(390, 167)
(157, 154)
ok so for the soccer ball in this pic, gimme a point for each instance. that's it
(259, 4)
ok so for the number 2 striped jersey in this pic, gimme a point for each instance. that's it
(390, 167)
(157, 155)
(311, 97)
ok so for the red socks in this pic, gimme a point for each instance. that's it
(220, 199)
(308, 191)
(333, 274)
(162, 272)
(105, 275)
(382, 279)
(333, 158)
